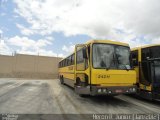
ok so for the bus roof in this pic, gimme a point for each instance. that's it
(101, 41)
(145, 46)
(107, 41)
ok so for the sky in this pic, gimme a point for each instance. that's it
(54, 27)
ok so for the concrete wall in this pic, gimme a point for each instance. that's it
(6, 64)
(28, 66)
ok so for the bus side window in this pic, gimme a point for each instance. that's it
(61, 64)
(65, 62)
(135, 57)
(80, 56)
(72, 59)
(69, 60)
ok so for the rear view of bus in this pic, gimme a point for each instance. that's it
(146, 61)
(102, 67)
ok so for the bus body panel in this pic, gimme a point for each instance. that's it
(136, 68)
(114, 77)
(68, 75)
(145, 87)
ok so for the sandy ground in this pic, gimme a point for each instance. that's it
(22, 96)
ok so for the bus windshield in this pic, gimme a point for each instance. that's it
(106, 56)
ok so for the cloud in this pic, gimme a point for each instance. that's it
(24, 30)
(24, 45)
(97, 19)
(50, 38)
(68, 49)
(28, 44)
(4, 48)
(1, 31)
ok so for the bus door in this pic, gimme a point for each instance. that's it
(145, 70)
(150, 71)
(82, 69)
(145, 73)
(156, 76)
(155, 55)
(146, 78)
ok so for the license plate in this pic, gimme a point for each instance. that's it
(119, 91)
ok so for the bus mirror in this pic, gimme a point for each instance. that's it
(84, 53)
(135, 63)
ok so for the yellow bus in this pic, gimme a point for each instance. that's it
(146, 61)
(99, 67)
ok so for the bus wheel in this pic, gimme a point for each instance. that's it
(83, 95)
(61, 80)
(78, 82)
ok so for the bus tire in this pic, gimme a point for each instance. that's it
(61, 80)
(78, 81)
(83, 95)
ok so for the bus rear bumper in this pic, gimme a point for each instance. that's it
(99, 90)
